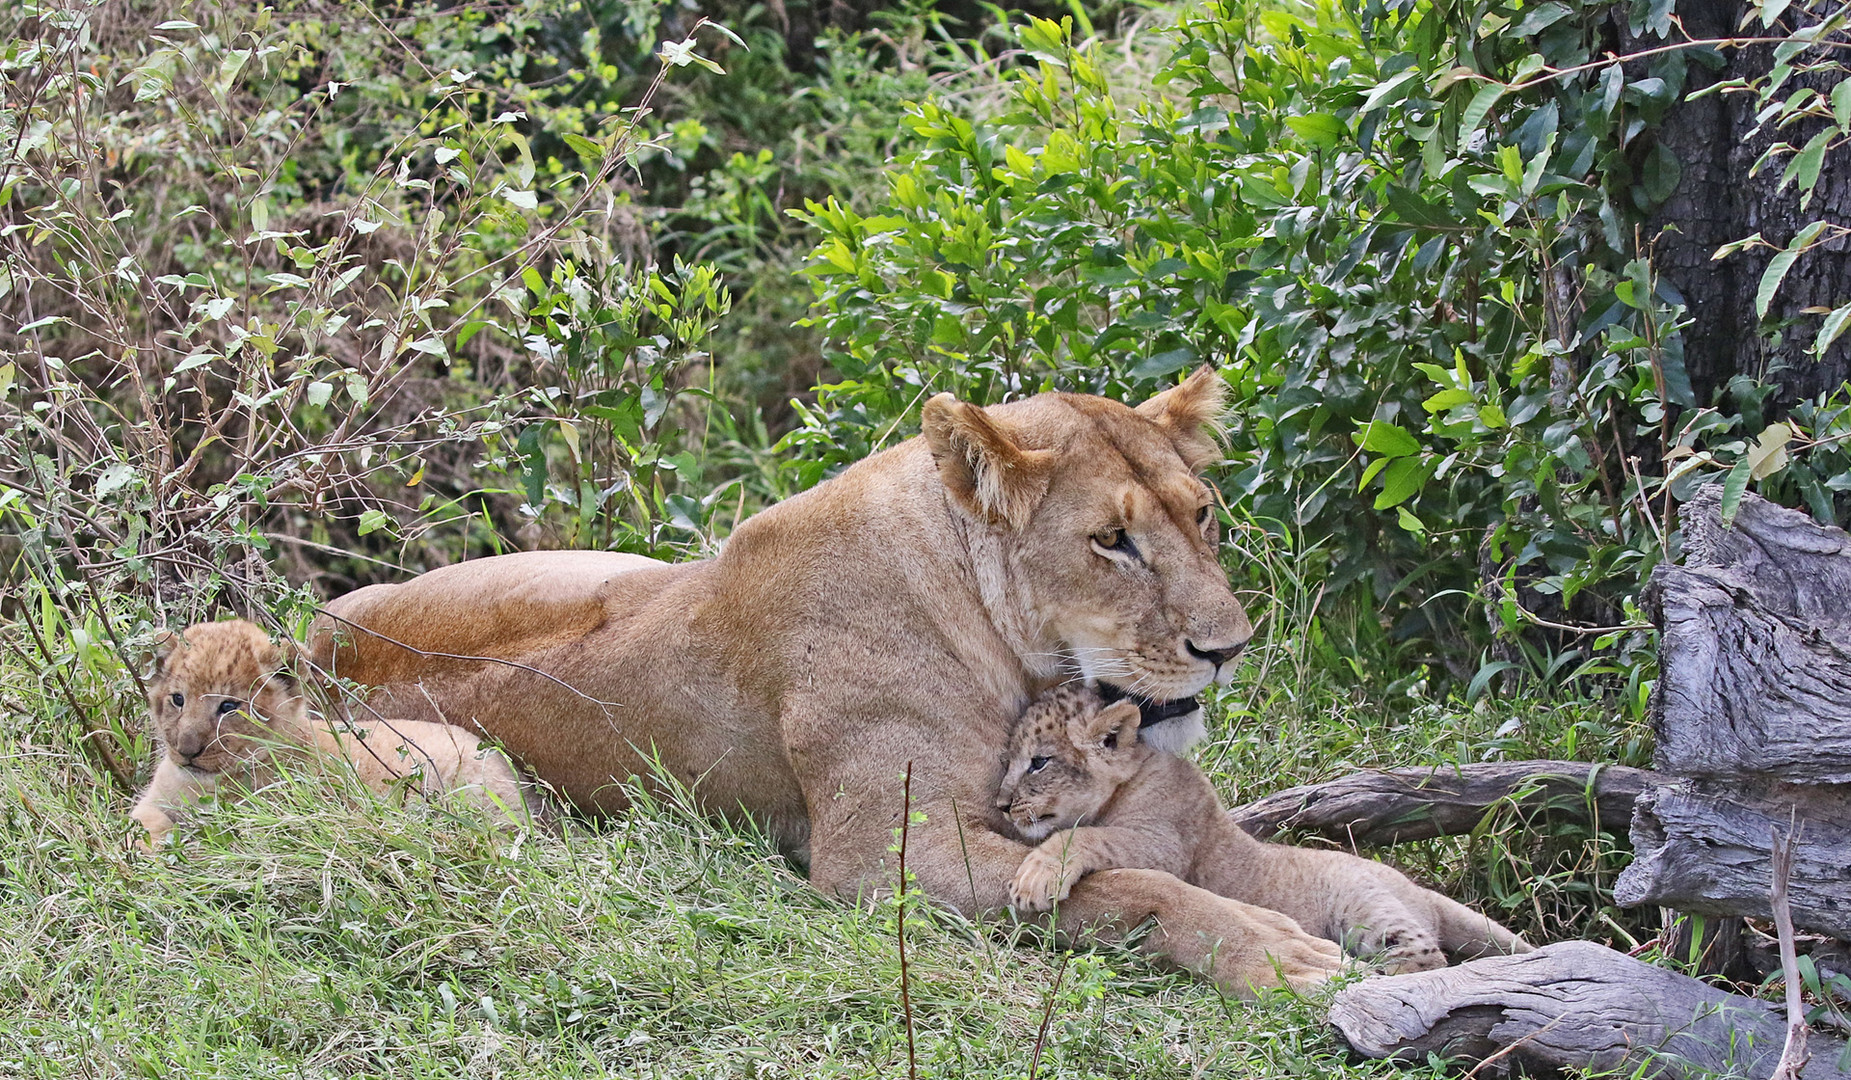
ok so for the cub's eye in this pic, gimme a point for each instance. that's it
(1036, 764)
(177, 698)
(226, 708)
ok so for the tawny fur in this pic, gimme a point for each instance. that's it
(1078, 781)
(226, 706)
(904, 612)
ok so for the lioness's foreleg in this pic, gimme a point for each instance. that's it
(1241, 948)
(957, 859)
(1050, 871)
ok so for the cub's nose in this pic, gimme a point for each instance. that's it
(1215, 656)
(187, 747)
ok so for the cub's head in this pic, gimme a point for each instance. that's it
(222, 692)
(1102, 537)
(1067, 755)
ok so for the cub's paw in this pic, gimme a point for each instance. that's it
(1040, 882)
(1406, 949)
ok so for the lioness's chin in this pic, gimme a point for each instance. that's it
(1175, 735)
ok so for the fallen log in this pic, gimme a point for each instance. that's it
(1706, 848)
(1398, 805)
(1571, 1005)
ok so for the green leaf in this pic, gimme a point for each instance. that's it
(1841, 103)
(1777, 268)
(1732, 488)
(590, 151)
(1834, 323)
(1475, 111)
(1389, 440)
(1400, 481)
(1804, 168)
(1409, 522)
(526, 200)
(372, 521)
(1539, 18)
(1393, 87)
(1447, 399)
(1321, 128)
(318, 393)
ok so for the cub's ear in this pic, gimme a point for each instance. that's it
(1110, 728)
(165, 642)
(287, 661)
(1190, 413)
(981, 464)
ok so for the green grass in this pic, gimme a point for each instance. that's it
(315, 931)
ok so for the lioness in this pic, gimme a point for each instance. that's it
(225, 704)
(897, 617)
(1076, 765)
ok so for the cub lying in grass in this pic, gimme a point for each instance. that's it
(226, 704)
(1075, 759)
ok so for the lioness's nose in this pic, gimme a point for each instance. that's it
(1215, 656)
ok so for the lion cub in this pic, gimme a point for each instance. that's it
(225, 704)
(1080, 784)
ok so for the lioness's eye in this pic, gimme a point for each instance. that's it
(1115, 540)
(177, 698)
(1203, 515)
(1036, 764)
(226, 708)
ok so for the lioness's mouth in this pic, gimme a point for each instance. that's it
(1151, 712)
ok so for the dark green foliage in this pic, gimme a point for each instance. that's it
(1409, 248)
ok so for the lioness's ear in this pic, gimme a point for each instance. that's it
(981, 465)
(1190, 413)
(1110, 727)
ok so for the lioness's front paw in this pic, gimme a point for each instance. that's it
(1039, 882)
(1304, 962)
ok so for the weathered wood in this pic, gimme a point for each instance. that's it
(1571, 1005)
(1794, 565)
(1399, 805)
(1701, 846)
(1756, 650)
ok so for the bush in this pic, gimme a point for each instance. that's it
(1371, 221)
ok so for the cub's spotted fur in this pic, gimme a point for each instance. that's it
(1079, 783)
(226, 705)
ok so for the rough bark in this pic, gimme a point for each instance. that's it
(1753, 719)
(1745, 689)
(1707, 848)
(1571, 1005)
(1399, 805)
(1717, 201)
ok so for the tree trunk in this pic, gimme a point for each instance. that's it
(1752, 716)
(1717, 201)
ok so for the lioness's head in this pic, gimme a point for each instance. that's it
(221, 693)
(1103, 536)
(1068, 754)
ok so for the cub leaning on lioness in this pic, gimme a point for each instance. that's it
(226, 704)
(1080, 784)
